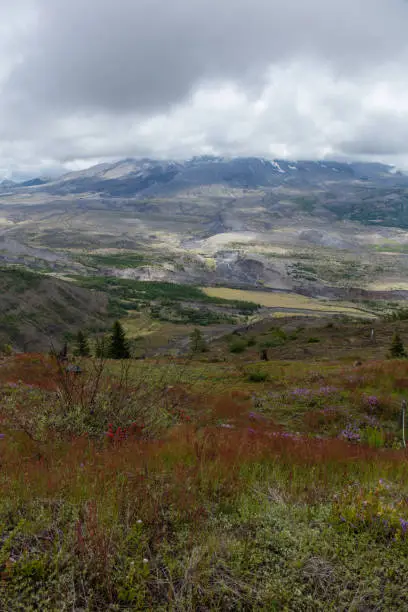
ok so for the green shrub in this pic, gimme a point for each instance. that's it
(7, 350)
(257, 376)
(238, 346)
(313, 340)
(276, 337)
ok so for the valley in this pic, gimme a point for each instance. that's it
(299, 237)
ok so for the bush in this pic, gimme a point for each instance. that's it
(238, 346)
(276, 337)
(7, 350)
(257, 376)
(313, 340)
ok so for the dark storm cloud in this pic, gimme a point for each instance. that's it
(85, 80)
(126, 55)
(380, 135)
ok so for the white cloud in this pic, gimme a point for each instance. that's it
(85, 81)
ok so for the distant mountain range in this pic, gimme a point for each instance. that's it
(149, 177)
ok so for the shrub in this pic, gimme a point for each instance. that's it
(7, 350)
(257, 376)
(313, 340)
(238, 346)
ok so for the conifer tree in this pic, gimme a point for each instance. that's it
(119, 348)
(397, 348)
(197, 342)
(82, 346)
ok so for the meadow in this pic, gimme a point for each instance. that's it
(283, 300)
(198, 485)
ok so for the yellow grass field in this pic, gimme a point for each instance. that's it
(283, 300)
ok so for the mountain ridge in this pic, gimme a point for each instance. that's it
(146, 175)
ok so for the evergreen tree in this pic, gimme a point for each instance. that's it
(397, 348)
(82, 346)
(119, 348)
(197, 342)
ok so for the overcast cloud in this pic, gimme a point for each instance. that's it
(86, 80)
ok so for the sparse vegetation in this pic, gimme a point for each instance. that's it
(115, 260)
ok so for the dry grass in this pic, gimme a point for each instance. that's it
(282, 300)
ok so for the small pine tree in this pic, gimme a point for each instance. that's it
(119, 348)
(397, 348)
(82, 346)
(197, 342)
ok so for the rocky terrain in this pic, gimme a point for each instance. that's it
(325, 229)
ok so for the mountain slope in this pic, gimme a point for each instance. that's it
(153, 177)
(37, 312)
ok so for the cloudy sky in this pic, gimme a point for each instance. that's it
(82, 81)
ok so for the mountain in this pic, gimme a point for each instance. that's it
(147, 177)
(8, 184)
(36, 182)
(325, 228)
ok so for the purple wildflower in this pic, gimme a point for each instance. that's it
(373, 402)
(254, 416)
(351, 433)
